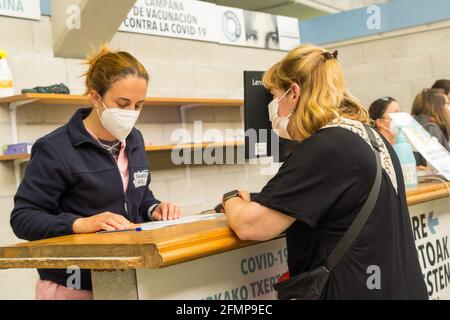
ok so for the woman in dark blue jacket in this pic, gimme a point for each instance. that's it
(91, 174)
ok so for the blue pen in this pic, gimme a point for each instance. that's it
(126, 230)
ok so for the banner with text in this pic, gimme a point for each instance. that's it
(180, 19)
(431, 227)
(202, 21)
(243, 274)
(28, 9)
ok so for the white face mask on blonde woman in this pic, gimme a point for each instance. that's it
(278, 122)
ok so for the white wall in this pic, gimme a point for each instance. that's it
(397, 64)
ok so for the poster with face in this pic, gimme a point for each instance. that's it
(203, 21)
(261, 30)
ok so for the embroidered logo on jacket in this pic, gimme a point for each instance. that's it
(140, 178)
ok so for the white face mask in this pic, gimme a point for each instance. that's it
(279, 123)
(393, 129)
(118, 122)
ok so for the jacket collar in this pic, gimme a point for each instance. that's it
(79, 135)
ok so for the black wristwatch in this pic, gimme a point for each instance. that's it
(229, 195)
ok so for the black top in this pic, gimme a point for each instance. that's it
(323, 184)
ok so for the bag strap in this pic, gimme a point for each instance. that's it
(363, 215)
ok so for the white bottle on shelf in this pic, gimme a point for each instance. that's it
(6, 80)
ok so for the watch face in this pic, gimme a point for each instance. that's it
(231, 194)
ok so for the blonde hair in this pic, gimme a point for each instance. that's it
(323, 96)
(107, 67)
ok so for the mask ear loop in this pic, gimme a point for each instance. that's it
(103, 103)
(284, 95)
(107, 147)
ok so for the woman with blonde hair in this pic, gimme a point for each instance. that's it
(326, 183)
(92, 173)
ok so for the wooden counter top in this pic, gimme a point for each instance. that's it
(126, 250)
(148, 249)
(427, 192)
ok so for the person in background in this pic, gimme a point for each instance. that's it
(379, 112)
(91, 174)
(430, 110)
(447, 98)
(447, 103)
(443, 84)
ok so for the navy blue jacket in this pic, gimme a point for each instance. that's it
(71, 176)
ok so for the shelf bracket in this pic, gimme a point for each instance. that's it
(183, 110)
(15, 138)
(13, 117)
(187, 168)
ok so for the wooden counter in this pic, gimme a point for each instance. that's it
(427, 192)
(125, 250)
(149, 249)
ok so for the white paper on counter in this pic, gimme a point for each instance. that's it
(188, 219)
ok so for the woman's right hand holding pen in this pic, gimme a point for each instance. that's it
(106, 221)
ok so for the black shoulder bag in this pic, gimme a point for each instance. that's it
(312, 285)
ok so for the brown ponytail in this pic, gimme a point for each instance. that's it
(107, 67)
